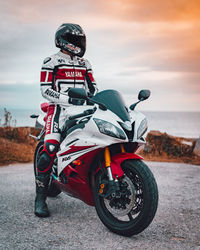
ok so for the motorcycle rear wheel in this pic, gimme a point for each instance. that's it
(52, 191)
(132, 213)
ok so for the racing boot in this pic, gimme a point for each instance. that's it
(42, 181)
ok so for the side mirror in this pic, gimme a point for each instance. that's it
(144, 94)
(78, 93)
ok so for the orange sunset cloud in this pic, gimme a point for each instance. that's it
(144, 44)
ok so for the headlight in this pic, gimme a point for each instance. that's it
(126, 125)
(142, 128)
(108, 128)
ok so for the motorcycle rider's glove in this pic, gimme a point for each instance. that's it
(90, 95)
(75, 101)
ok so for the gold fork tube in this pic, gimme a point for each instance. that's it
(107, 163)
(107, 157)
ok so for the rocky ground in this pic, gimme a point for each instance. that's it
(74, 225)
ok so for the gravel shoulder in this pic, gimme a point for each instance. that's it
(74, 225)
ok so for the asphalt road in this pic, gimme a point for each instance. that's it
(74, 225)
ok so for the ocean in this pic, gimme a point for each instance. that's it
(183, 124)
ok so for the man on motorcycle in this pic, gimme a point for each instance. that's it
(59, 72)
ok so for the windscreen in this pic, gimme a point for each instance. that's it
(114, 102)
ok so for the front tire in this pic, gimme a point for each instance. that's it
(135, 210)
(52, 191)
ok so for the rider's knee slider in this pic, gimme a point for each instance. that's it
(51, 148)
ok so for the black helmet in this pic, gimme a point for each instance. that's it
(71, 37)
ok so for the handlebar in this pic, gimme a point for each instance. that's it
(85, 113)
(34, 116)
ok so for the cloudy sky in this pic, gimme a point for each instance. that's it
(132, 45)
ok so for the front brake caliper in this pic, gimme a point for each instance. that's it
(103, 188)
(109, 189)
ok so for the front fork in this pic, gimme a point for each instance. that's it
(108, 163)
(113, 185)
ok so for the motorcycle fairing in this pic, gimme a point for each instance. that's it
(78, 184)
(136, 118)
(73, 149)
(85, 141)
(72, 153)
(116, 161)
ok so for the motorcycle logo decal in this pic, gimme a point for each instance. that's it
(48, 124)
(52, 93)
(55, 127)
(74, 74)
(61, 60)
(66, 158)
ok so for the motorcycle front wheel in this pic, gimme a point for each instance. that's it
(134, 209)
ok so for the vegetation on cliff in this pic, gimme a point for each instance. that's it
(17, 146)
(164, 147)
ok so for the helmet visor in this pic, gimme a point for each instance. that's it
(78, 41)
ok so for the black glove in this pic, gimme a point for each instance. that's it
(76, 101)
(90, 95)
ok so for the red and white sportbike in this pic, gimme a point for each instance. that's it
(97, 164)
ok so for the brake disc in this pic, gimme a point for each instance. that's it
(132, 196)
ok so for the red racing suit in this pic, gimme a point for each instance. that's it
(59, 73)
